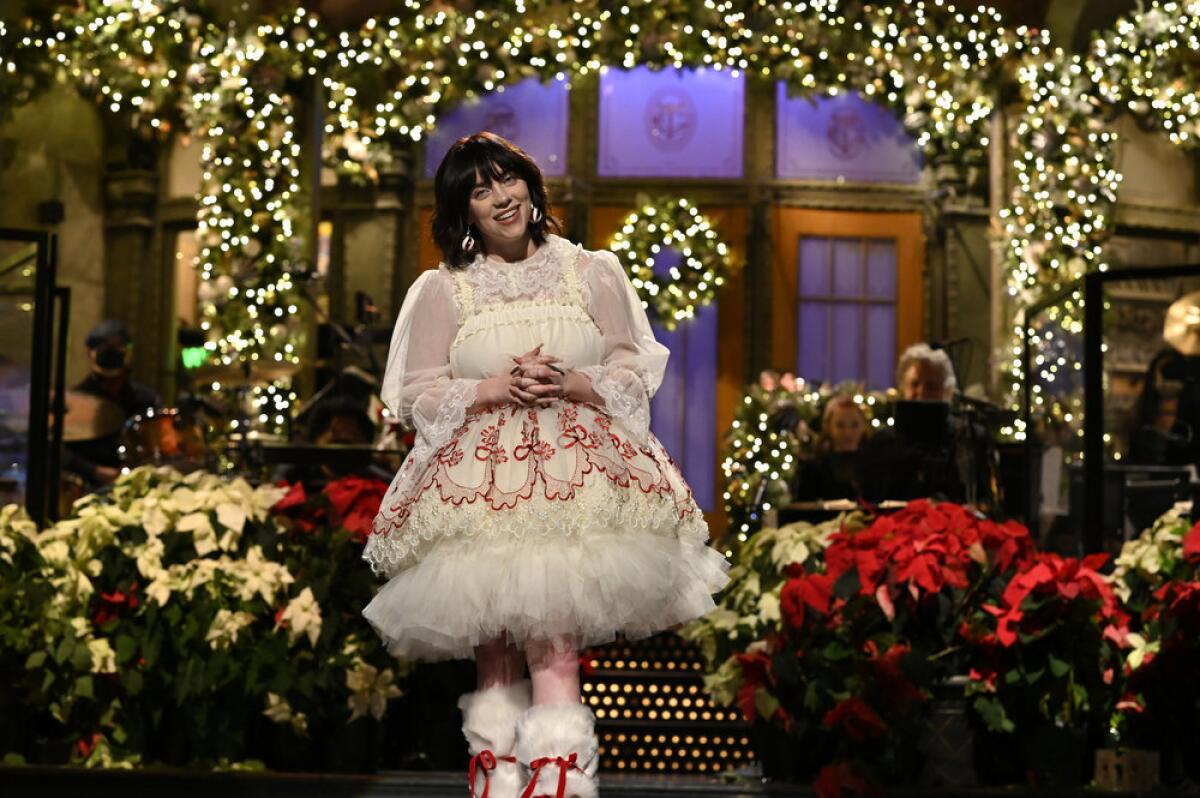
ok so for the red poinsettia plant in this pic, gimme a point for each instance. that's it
(1158, 578)
(1044, 645)
(348, 503)
(871, 629)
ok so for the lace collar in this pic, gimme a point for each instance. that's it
(538, 277)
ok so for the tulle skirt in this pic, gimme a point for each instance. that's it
(574, 532)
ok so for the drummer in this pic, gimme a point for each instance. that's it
(110, 356)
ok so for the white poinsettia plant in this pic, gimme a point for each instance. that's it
(1153, 558)
(185, 608)
(748, 610)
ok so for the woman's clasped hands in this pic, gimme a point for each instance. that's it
(536, 380)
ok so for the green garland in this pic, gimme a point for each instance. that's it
(676, 224)
(170, 65)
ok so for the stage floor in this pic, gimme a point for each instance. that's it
(16, 782)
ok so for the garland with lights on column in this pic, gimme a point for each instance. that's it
(171, 65)
(676, 224)
(774, 430)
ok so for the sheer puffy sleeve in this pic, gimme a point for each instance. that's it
(633, 363)
(417, 387)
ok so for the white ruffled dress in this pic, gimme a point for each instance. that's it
(540, 523)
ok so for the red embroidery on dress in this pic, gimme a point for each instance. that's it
(599, 452)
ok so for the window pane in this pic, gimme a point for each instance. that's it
(842, 138)
(531, 114)
(881, 346)
(812, 320)
(670, 123)
(881, 269)
(848, 268)
(847, 343)
(814, 266)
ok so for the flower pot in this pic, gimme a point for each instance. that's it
(1126, 769)
(1055, 756)
(948, 744)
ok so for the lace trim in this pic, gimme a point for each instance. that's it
(540, 277)
(603, 506)
(491, 318)
(631, 410)
(452, 411)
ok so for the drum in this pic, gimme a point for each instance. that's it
(165, 437)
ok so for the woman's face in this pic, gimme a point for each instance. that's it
(846, 429)
(500, 209)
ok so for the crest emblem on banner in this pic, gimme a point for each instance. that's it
(670, 119)
(846, 134)
(501, 119)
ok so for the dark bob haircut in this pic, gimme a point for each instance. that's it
(489, 156)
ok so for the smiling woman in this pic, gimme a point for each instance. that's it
(537, 513)
(491, 197)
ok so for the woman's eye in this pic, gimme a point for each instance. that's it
(508, 179)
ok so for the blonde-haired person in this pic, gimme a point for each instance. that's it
(834, 472)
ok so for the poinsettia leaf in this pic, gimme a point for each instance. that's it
(132, 681)
(1032, 677)
(126, 648)
(993, 714)
(35, 660)
(84, 687)
(1058, 667)
(765, 703)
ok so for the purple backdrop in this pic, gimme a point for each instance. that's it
(843, 137)
(683, 414)
(670, 123)
(533, 115)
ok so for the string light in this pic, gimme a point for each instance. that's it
(166, 66)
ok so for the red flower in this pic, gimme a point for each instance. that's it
(355, 502)
(856, 719)
(111, 604)
(86, 745)
(296, 497)
(756, 673)
(1191, 545)
(895, 688)
(839, 778)
(802, 592)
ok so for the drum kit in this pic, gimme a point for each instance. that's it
(185, 438)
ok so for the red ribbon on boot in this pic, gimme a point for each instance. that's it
(563, 766)
(486, 762)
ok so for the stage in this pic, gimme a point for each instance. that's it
(73, 782)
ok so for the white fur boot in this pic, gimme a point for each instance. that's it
(557, 743)
(490, 725)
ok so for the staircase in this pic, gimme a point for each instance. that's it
(652, 714)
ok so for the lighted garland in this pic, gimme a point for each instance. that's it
(162, 62)
(662, 225)
(774, 430)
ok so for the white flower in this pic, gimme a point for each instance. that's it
(280, 711)
(370, 690)
(302, 616)
(1140, 650)
(160, 589)
(723, 618)
(225, 627)
(104, 659)
(768, 608)
(204, 538)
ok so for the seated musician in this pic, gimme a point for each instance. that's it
(110, 358)
(835, 471)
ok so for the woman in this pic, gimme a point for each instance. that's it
(834, 472)
(536, 513)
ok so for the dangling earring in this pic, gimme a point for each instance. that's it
(535, 215)
(468, 242)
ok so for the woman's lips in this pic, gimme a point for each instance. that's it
(510, 220)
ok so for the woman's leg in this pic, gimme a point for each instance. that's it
(556, 738)
(554, 670)
(498, 663)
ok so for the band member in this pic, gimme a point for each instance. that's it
(110, 359)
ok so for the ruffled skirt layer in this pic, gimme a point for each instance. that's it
(576, 533)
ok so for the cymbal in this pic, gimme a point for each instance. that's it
(88, 417)
(256, 372)
(1181, 328)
